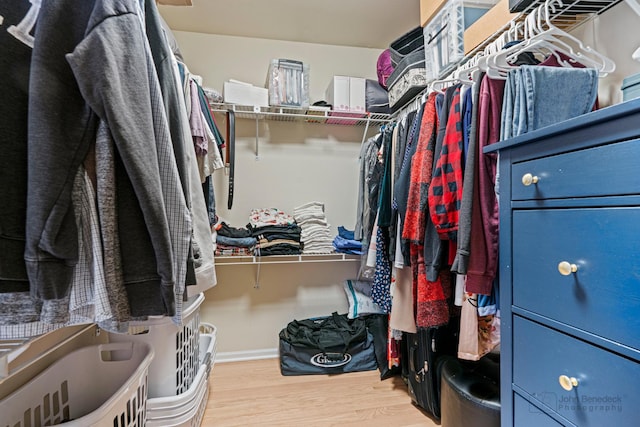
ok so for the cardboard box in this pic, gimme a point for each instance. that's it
(428, 8)
(357, 94)
(337, 93)
(496, 18)
(236, 92)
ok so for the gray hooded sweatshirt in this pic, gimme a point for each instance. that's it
(90, 62)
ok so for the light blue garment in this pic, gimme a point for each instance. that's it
(537, 96)
(210, 199)
(488, 304)
(507, 108)
(558, 94)
(346, 234)
(342, 244)
(520, 116)
(243, 242)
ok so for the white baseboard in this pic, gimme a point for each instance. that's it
(240, 356)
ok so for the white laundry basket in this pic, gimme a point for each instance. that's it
(208, 344)
(177, 349)
(102, 385)
(186, 409)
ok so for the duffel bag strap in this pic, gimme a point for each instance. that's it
(345, 330)
(302, 332)
(349, 331)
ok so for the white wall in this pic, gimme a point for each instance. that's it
(218, 58)
(297, 163)
(615, 34)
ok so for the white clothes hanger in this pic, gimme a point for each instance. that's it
(466, 73)
(470, 71)
(541, 35)
(441, 85)
(635, 6)
(489, 65)
(546, 37)
(584, 53)
(535, 40)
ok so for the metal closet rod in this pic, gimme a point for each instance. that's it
(568, 15)
(286, 114)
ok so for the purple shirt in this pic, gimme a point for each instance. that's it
(198, 131)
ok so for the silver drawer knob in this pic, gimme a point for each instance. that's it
(566, 268)
(567, 383)
(528, 179)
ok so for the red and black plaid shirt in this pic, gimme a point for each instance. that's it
(445, 191)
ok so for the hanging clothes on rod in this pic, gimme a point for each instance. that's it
(202, 251)
(541, 35)
(111, 216)
(20, 314)
(460, 231)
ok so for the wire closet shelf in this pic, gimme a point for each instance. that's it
(301, 114)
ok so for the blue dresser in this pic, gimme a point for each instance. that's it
(570, 272)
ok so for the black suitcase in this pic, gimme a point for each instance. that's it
(426, 351)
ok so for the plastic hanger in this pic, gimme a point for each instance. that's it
(635, 6)
(546, 37)
(471, 70)
(584, 53)
(443, 84)
(468, 73)
(536, 40)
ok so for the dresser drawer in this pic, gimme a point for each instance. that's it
(527, 415)
(583, 173)
(607, 390)
(603, 295)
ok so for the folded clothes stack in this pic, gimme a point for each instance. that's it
(316, 234)
(232, 241)
(344, 242)
(276, 232)
(269, 232)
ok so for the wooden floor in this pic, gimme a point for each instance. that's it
(255, 394)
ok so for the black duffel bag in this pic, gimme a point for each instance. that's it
(326, 345)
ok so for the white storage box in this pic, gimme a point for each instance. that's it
(177, 349)
(245, 94)
(357, 97)
(337, 93)
(186, 409)
(346, 94)
(102, 385)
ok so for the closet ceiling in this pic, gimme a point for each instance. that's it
(359, 23)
